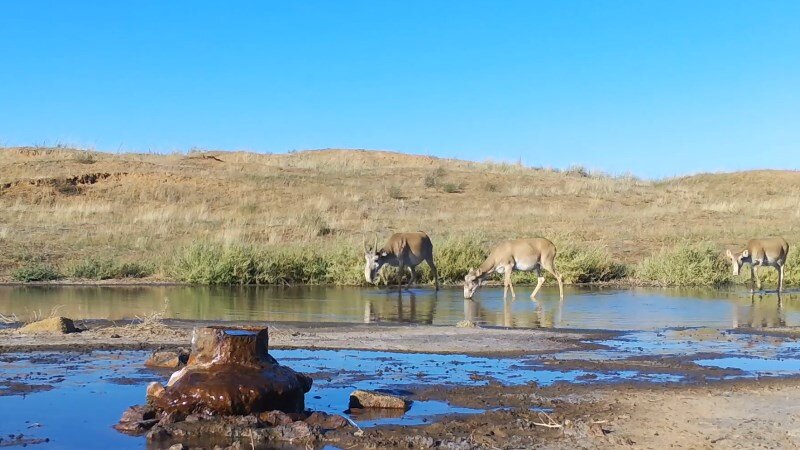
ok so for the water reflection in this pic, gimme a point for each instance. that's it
(582, 308)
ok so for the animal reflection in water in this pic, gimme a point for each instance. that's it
(407, 310)
(410, 309)
(763, 312)
(542, 318)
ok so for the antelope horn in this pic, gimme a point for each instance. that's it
(376, 242)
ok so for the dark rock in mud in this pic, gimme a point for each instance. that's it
(372, 399)
(18, 388)
(326, 421)
(137, 420)
(20, 440)
(167, 360)
(229, 430)
(275, 418)
(230, 373)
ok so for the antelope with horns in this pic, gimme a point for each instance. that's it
(520, 254)
(401, 250)
(761, 252)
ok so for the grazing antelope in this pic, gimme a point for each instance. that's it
(401, 250)
(520, 254)
(761, 252)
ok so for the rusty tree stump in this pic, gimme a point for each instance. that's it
(229, 372)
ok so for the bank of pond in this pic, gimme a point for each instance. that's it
(343, 265)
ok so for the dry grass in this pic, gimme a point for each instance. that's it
(148, 207)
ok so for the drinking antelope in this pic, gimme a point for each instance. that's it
(520, 254)
(761, 252)
(401, 250)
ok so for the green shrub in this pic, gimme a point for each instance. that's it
(453, 188)
(685, 265)
(455, 255)
(134, 270)
(106, 269)
(345, 266)
(36, 272)
(92, 269)
(239, 264)
(587, 264)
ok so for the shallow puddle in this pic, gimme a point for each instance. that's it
(753, 355)
(760, 367)
(75, 398)
(612, 309)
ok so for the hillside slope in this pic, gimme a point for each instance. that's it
(62, 205)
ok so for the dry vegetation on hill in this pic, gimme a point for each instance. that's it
(99, 215)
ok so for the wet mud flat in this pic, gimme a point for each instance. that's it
(700, 388)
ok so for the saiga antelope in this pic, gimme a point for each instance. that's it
(401, 250)
(520, 254)
(761, 252)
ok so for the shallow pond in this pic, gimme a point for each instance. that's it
(613, 309)
(73, 398)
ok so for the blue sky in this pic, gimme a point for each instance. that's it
(656, 88)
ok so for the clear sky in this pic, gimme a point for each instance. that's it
(656, 88)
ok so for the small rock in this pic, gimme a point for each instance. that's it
(164, 360)
(154, 390)
(294, 431)
(136, 420)
(172, 417)
(138, 413)
(327, 421)
(179, 447)
(53, 325)
(372, 399)
(275, 418)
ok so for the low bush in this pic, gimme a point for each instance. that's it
(685, 265)
(106, 269)
(243, 264)
(36, 272)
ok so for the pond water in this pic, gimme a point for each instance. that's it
(612, 309)
(75, 398)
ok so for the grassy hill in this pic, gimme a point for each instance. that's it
(98, 215)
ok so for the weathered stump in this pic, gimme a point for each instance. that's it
(229, 372)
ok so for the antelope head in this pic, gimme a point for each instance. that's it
(374, 259)
(471, 283)
(738, 259)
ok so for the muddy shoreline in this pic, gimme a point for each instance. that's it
(708, 408)
(127, 335)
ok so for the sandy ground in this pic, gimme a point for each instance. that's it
(430, 339)
(761, 413)
(753, 414)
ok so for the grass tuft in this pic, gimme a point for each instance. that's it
(685, 265)
(395, 192)
(453, 188)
